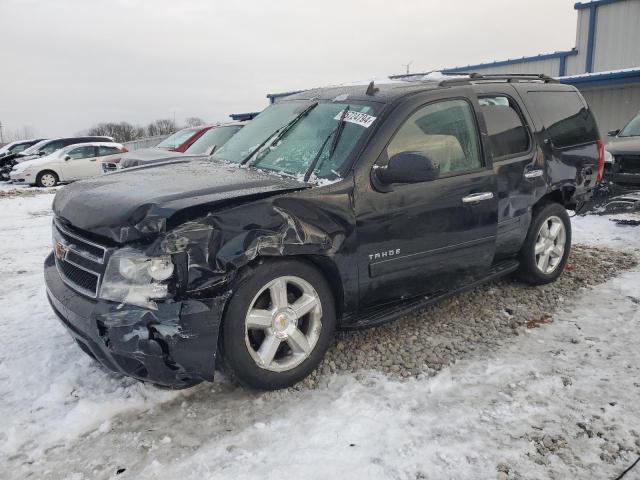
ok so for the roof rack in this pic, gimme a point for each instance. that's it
(469, 77)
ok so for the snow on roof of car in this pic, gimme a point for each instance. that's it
(387, 88)
(90, 144)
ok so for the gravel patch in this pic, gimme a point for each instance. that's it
(24, 192)
(471, 323)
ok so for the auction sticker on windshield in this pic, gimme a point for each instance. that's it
(358, 118)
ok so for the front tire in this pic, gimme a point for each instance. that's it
(278, 325)
(546, 248)
(47, 179)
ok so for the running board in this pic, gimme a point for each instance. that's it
(382, 314)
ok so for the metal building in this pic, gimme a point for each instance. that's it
(604, 64)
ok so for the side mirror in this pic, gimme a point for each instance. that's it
(210, 150)
(42, 152)
(67, 158)
(613, 133)
(408, 167)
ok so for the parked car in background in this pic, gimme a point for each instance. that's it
(43, 148)
(47, 147)
(347, 207)
(623, 162)
(9, 152)
(214, 137)
(17, 147)
(73, 162)
(182, 139)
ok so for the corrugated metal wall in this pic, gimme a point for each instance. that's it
(613, 106)
(576, 63)
(617, 41)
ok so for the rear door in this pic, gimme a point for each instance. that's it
(427, 237)
(82, 163)
(519, 167)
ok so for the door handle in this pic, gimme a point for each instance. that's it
(533, 174)
(477, 197)
(93, 159)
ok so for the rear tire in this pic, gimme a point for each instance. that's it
(47, 179)
(278, 325)
(546, 248)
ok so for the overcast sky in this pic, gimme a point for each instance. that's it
(68, 64)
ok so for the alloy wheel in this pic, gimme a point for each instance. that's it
(550, 244)
(283, 323)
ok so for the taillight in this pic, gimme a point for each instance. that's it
(124, 150)
(600, 161)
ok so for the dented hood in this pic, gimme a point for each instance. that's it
(137, 203)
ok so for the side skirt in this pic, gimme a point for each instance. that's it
(382, 314)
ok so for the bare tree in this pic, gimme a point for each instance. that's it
(121, 131)
(23, 133)
(193, 121)
(163, 126)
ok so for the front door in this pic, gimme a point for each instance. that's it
(431, 236)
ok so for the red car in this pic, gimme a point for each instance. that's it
(182, 139)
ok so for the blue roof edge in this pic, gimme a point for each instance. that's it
(514, 61)
(615, 77)
(593, 3)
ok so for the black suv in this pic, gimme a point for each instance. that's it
(335, 208)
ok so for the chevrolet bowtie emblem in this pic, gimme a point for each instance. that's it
(60, 251)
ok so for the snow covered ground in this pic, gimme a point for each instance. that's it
(560, 401)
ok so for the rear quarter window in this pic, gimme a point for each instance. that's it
(566, 118)
(508, 136)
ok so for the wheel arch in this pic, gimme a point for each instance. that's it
(47, 170)
(563, 194)
(322, 263)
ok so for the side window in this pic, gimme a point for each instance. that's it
(82, 152)
(566, 118)
(51, 147)
(19, 148)
(103, 151)
(445, 132)
(507, 134)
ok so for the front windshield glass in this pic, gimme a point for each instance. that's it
(632, 129)
(298, 147)
(33, 149)
(217, 136)
(178, 138)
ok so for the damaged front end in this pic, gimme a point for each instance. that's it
(131, 310)
(152, 309)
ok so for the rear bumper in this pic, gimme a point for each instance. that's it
(173, 346)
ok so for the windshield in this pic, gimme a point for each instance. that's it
(178, 138)
(217, 136)
(297, 148)
(632, 129)
(33, 149)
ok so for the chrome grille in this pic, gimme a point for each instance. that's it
(80, 262)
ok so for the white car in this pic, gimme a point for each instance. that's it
(74, 162)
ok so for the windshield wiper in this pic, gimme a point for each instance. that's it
(279, 133)
(338, 133)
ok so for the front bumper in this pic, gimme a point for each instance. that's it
(173, 346)
(18, 177)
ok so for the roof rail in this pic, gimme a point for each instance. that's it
(469, 77)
